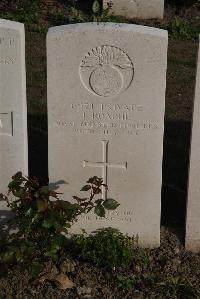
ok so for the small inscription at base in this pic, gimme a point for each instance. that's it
(120, 216)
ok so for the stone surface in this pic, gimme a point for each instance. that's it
(13, 114)
(144, 9)
(193, 202)
(106, 95)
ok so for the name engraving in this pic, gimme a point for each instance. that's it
(7, 41)
(106, 119)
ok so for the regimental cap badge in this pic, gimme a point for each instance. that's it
(106, 71)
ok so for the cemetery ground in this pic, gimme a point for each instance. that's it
(166, 272)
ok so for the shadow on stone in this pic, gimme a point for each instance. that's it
(55, 186)
(175, 173)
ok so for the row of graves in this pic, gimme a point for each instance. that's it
(106, 104)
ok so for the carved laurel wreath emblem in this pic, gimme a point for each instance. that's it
(106, 71)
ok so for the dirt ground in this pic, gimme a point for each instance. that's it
(170, 264)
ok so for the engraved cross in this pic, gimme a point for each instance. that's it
(105, 165)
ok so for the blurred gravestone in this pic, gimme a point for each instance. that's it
(193, 204)
(142, 9)
(13, 114)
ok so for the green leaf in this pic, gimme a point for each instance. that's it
(68, 205)
(96, 190)
(15, 184)
(44, 190)
(17, 180)
(29, 212)
(96, 7)
(55, 246)
(42, 205)
(36, 216)
(95, 180)
(100, 211)
(18, 193)
(99, 201)
(35, 269)
(18, 175)
(67, 225)
(47, 223)
(110, 204)
(86, 188)
(91, 180)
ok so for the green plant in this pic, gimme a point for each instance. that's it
(181, 29)
(106, 247)
(127, 282)
(197, 4)
(60, 16)
(25, 12)
(96, 8)
(178, 288)
(77, 16)
(96, 14)
(104, 15)
(42, 224)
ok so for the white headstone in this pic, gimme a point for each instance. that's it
(193, 202)
(143, 9)
(106, 99)
(13, 112)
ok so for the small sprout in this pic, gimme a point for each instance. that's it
(96, 7)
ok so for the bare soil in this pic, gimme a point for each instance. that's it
(168, 262)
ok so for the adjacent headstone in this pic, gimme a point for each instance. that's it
(13, 114)
(143, 9)
(193, 202)
(106, 99)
